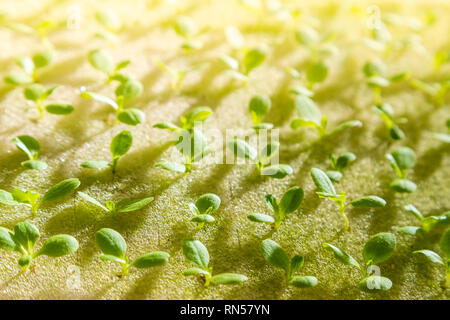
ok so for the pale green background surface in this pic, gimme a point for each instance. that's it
(233, 241)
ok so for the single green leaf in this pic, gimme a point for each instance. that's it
(317, 72)
(378, 82)
(369, 202)
(412, 209)
(25, 196)
(194, 272)
(129, 89)
(111, 242)
(207, 203)
(334, 175)
(410, 230)
(131, 116)
(303, 281)
(375, 284)
(258, 106)
(88, 198)
(18, 79)
(341, 255)
(95, 164)
(229, 62)
(196, 253)
(185, 27)
(59, 245)
(34, 92)
(128, 205)
(121, 143)
(275, 255)
(374, 68)
(7, 240)
(203, 218)
(34, 165)
(346, 125)
(403, 185)
(28, 145)
(253, 58)
(198, 114)
(59, 108)
(307, 36)
(277, 171)
(268, 152)
(106, 257)
(228, 278)
(151, 259)
(43, 59)
(260, 217)
(101, 61)
(242, 149)
(344, 160)
(272, 202)
(322, 182)
(291, 200)
(100, 98)
(7, 198)
(396, 133)
(307, 110)
(431, 255)
(166, 125)
(379, 247)
(61, 189)
(171, 166)
(404, 157)
(296, 264)
(25, 235)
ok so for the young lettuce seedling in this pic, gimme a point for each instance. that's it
(258, 106)
(119, 146)
(30, 146)
(177, 75)
(386, 113)
(242, 149)
(290, 201)
(277, 257)
(30, 66)
(203, 208)
(124, 205)
(338, 164)
(114, 247)
(427, 223)
(401, 159)
(33, 200)
(187, 122)
(127, 90)
(103, 62)
(436, 258)
(377, 249)
(310, 116)
(187, 28)
(198, 255)
(24, 238)
(326, 191)
(240, 70)
(38, 94)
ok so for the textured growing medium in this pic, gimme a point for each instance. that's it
(233, 242)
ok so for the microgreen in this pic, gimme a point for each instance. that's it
(38, 95)
(30, 67)
(310, 116)
(316, 73)
(427, 223)
(197, 254)
(119, 146)
(114, 247)
(187, 122)
(242, 149)
(326, 191)
(386, 112)
(377, 249)
(338, 164)
(258, 106)
(103, 62)
(240, 69)
(111, 24)
(203, 208)
(319, 46)
(290, 201)
(442, 260)
(177, 75)
(121, 206)
(401, 159)
(436, 91)
(23, 240)
(42, 30)
(31, 147)
(277, 257)
(193, 146)
(187, 28)
(127, 90)
(33, 200)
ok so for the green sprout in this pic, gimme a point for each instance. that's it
(401, 159)
(338, 164)
(277, 257)
(319, 47)
(444, 136)
(38, 94)
(290, 201)
(198, 255)
(103, 62)
(310, 116)
(326, 191)
(437, 91)
(30, 66)
(203, 208)
(114, 247)
(298, 89)
(243, 150)
(187, 122)
(240, 69)
(427, 223)
(24, 238)
(111, 24)
(177, 75)
(377, 249)
(33, 200)
(316, 73)
(30, 146)
(119, 146)
(259, 106)
(386, 112)
(127, 90)
(114, 208)
(187, 28)
(436, 258)
(42, 30)
(193, 146)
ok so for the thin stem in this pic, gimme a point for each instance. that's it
(377, 95)
(125, 267)
(342, 212)
(114, 165)
(40, 108)
(208, 279)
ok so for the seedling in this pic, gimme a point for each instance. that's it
(338, 164)
(119, 146)
(310, 116)
(402, 159)
(442, 260)
(298, 89)
(114, 247)
(114, 208)
(444, 137)
(193, 146)
(187, 28)
(198, 255)
(187, 122)
(427, 223)
(177, 75)
(30, 66)
(242, 149)
(290, 201)
(277, 257)
(436, 91)
(30, 146)
(111, 24)
(258, 106)
(41, 30)
(326, 191)
(33, 200)
(127, 90)
(103, 62)
(24, 238)
(38, 95)
(386, 113)
(316, 73)
(319, 47)
(377, 249)
(203, 208)
(240, 69)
